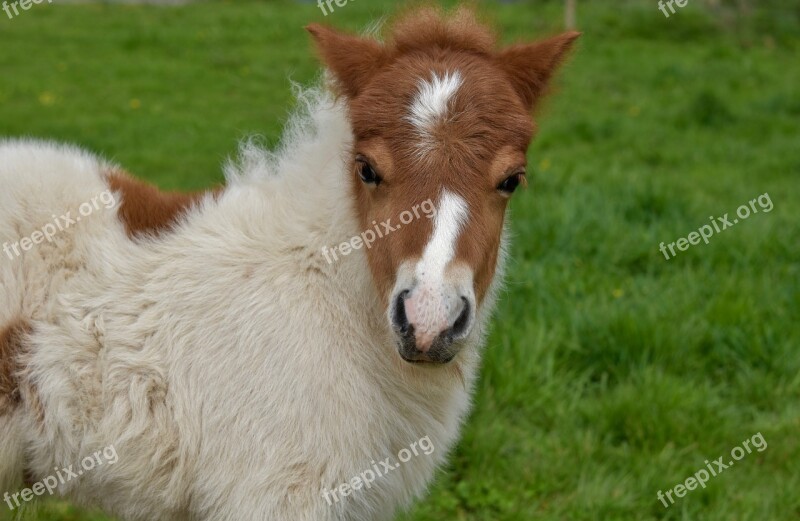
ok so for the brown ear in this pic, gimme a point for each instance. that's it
(351, 59)
(530, 66)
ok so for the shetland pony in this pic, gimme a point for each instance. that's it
(253, 353)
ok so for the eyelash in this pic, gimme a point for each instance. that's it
(510, 183)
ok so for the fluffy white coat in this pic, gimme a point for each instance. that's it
(236, 372)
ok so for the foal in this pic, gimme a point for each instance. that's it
(237, 370)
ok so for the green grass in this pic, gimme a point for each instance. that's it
(611, 373)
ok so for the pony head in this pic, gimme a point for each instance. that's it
(441, 119)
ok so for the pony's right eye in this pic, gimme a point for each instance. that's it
(509, 184)
(366, 172)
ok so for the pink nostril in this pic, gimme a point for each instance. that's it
(427, 318)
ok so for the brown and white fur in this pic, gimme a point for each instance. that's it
(234, 369)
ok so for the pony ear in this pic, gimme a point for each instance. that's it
(530, 66)
(351, 59)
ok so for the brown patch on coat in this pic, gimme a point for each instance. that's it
(11, 347)
(482, 140)
(146, 210)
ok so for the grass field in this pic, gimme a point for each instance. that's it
(612, 372)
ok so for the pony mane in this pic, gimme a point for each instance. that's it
(317, 123)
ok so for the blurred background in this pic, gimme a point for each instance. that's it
(611, 372)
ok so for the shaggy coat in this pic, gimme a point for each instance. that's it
(236, 372)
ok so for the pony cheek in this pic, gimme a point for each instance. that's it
(382, 267)
(482, 255)
(485, 275)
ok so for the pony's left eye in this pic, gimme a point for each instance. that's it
(366, 172)
(510, 183)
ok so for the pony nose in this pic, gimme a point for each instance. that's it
(430, 315)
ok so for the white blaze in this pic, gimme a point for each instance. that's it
(450, 218)
(432, 307)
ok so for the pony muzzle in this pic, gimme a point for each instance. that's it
(430, 320)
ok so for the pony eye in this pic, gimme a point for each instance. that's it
(366, 172)
(509, 184)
